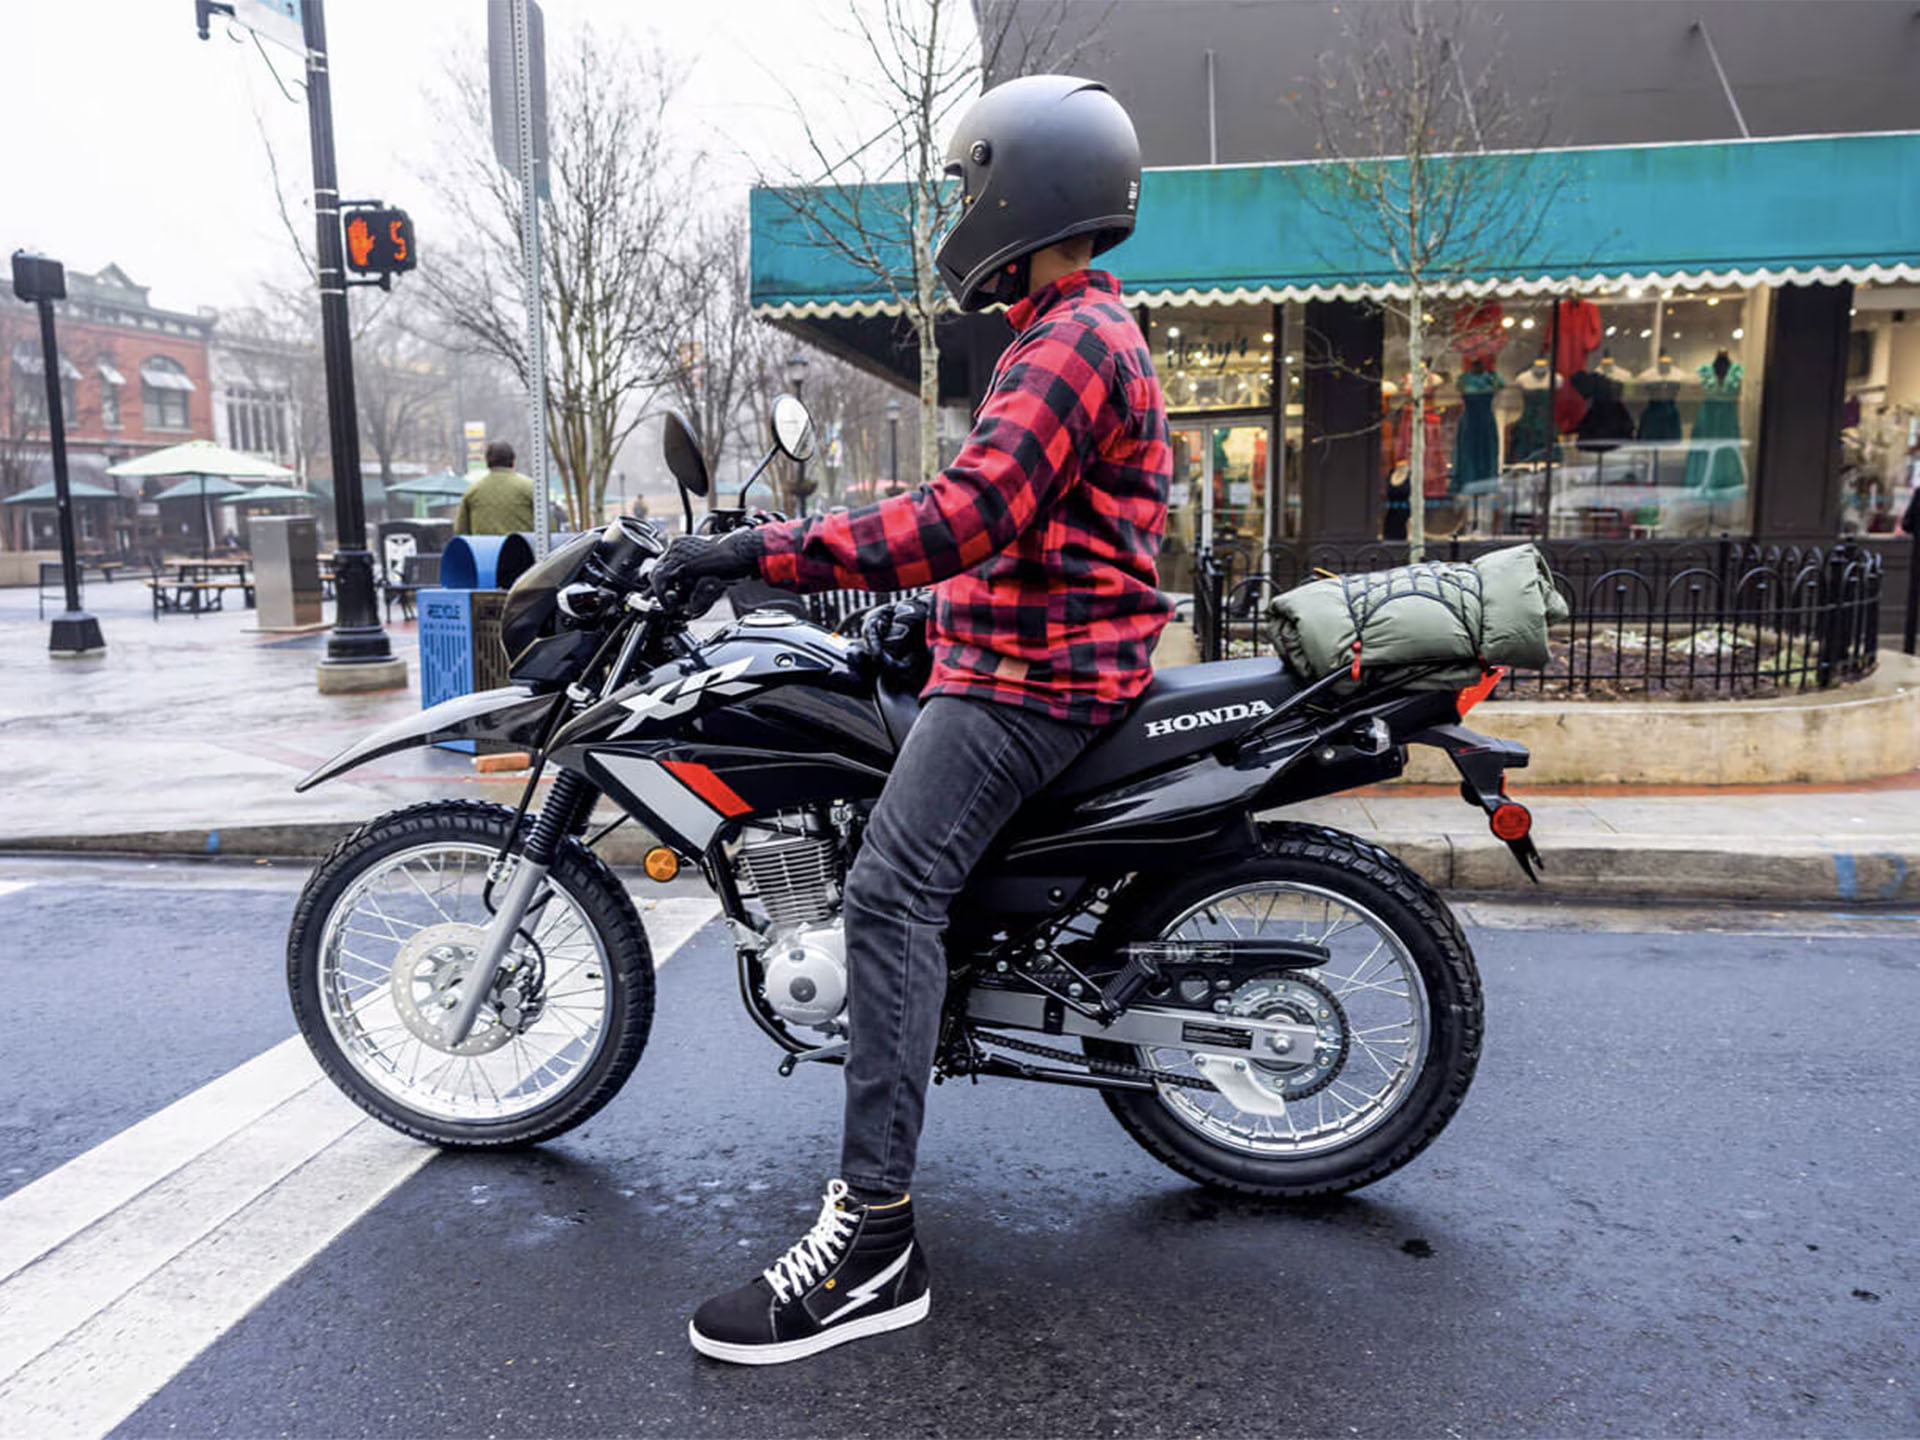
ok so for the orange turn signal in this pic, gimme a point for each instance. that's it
(1511, 821)
(662, 864)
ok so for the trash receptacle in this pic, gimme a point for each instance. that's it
(286, 571)
(460, 647)
(485, 562)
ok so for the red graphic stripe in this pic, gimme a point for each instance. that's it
(708, 786)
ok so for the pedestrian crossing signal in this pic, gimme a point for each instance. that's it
(379, 242)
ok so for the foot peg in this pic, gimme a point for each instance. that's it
(835, 1051)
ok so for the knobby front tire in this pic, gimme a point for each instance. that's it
(468, 830)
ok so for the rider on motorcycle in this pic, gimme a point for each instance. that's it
(1041, 540)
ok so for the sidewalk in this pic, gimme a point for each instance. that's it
(187, 738)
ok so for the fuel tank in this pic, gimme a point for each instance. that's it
(770, 715)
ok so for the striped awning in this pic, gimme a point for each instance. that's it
(1808, 210)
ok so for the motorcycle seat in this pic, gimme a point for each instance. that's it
(1181, 713)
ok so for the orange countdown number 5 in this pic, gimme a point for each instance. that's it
(399, 240)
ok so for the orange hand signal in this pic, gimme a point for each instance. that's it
(359, 240)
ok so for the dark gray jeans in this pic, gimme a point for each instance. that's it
(966, 768)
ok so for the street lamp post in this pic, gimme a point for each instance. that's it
(40, 281)
(797, 378)
(893, 444)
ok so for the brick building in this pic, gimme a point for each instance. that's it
(135, 378)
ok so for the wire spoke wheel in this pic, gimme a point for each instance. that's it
(387, 935)
(393, 959)
(1395, 1010)
(1374, 1032)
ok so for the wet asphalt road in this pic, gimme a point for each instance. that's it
(1679, 1200)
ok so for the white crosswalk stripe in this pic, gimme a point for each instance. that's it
(121, 1266)
(11, 887)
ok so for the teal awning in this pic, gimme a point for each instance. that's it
(1739, 212)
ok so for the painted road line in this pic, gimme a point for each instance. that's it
(128, 1261)
(110, 1366)
(11, 887)
(51, 1210)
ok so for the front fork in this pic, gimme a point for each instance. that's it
(567, 804)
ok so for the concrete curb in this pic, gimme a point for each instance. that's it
(1858, 870)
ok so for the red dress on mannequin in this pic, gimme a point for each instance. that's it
(1578, 337)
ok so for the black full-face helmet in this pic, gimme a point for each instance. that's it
(1040, 160)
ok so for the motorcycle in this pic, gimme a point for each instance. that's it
(1268, 1007)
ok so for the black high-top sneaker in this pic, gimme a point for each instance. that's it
(858, 1272)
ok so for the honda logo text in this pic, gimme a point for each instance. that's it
(1195, 719)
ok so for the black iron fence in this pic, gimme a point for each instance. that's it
(1671, 620)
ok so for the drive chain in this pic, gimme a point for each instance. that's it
(1109, 1068)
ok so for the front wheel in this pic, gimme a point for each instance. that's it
(384, 934)
(1397, 1004)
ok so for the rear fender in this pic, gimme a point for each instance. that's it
(513, 715)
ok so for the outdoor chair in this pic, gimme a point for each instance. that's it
(418, 572)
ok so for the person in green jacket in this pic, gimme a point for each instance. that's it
(499, 502)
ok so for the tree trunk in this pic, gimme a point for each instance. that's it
(927, 293)
(1417, 418)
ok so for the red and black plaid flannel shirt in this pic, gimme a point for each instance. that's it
(1040, 538)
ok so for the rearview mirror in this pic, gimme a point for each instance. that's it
(792, 428)
(684, 459)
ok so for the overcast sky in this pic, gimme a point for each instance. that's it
(125, 138)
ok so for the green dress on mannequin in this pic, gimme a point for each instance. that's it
(1713, 464)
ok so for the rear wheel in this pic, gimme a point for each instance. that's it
(1397, 1007)
(382, 940)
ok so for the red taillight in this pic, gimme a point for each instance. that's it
(1478, 691)
(1510, 821)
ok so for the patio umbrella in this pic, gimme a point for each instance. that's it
(43, 493)
(202, 457)
(273, 492)
(444, 486)
(203, 486)
(201, 464)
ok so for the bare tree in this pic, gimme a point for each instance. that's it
(1431, 171)
(607, 235)
(880, 203)
(715, 358)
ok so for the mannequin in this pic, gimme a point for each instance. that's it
(1606, 422)
(1713, 464)
(1476, 443)
(1660, 419)
(1531, 436)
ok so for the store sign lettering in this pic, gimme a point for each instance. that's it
(1190, 354)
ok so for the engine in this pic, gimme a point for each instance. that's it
(792, 870)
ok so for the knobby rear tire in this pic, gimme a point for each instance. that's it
(1423, 923)
(588, 882)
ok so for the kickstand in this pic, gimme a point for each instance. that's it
(837, 1050)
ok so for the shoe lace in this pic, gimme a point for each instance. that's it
(816, 1252)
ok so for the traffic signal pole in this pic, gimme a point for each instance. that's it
(358, 654)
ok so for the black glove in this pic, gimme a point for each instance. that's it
(894, 637)
(696, 571)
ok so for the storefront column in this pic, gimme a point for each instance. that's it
(1797, 480)
(1340, 494)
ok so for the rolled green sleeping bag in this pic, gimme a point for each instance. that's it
(1462, 617)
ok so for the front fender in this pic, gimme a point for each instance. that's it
(513, 714)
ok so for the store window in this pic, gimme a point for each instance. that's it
(30, 387)
(1628, 413)
(1216, 366)
(1880, 425)
(165, 392)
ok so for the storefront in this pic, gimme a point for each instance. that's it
(1703, 340)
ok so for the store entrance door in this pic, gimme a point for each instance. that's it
(1222, 475)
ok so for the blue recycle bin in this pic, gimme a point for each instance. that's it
(460, 650)
(485, 562)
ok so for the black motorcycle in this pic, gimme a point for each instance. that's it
(1274, 1008)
